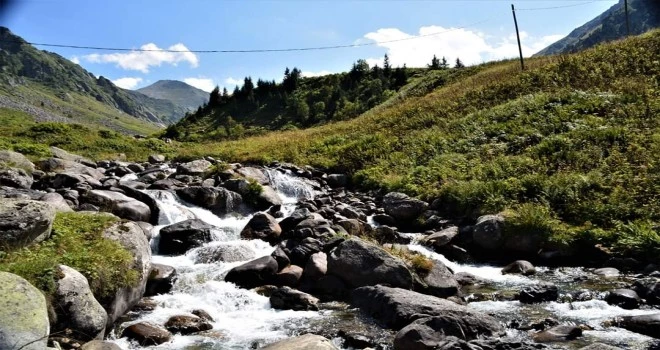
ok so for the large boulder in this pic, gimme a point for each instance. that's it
(429, 332)
(520, 267)
(119, 204)
(178, 238)
(439, 282)
(286, 298)
(402, 207)
(649, 289)
(317, 266)
(195, 168)
(156, 159)
(76, 308)
(56, 165)
(100, 345)
(488, 232)
(362, 264)
(185, 325)
(23, 314)
(15, 177)
(57, 202)
(144, 198)
(262, 226)
(62, 154)
(539, 293)
(289, 276)
(623, 298)
(254, 273)
(225, 252)
(396, 307)
(161, 280)
(438, 240)
(302, 342)
(254, 174)
(146, 334)
(643, 324)
(219, 200)
(16, 160)
(23, 222)
(130, 236)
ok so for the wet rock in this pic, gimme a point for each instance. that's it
(521, 267)
(438, 282)
(280, 255)
(300, 251)
(217, 199)
(146, 334)
(455, 253)
(488, 231)
(156, 158)
(161, 280)
(649, 289)
(623, 298)
(331, 287)
(23, 314)
(303, 342)
(386, 234)
(146, 199)
(538, 293)
(23, 222)
(262, 226)
(643, 324)
(119, 204)
(428, 333)
(100, 345)
(16, 160)
(454, 343)
(224, 253)
(267, 198)
(384, 219)
(255, 174)
(396, 307)
(607, 272)
(442, 238)
(289, 276)
(15, 177)
(401, 207)
(298, 216)
(196, 167)
(187, 325)
(356, 340)
(317, 266)
(286, 298)
(203, 315)
(145, 304)
(254, 273)
(468, 279)
(178, 238)
(362, 264)
(558, 334)
(600, 346)
(76, 308)
(130, 236)
(166, 184)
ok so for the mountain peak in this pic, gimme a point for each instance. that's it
(178, 92)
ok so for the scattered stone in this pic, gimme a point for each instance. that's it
(187, 325)
(15, 177)
(649, 289)
(538, 293)
(303, 342)
(429, 332)
(203, 315)
(156, 158)
(23, 314)
(401, 207)
(147, 334)
(161, 280)
(254, 273)
(521, 267)
(442, 238)
(438, 282)
(224, 253)
(558, 334)
(262, 226)
(217, 199)
(317, 266)
(23, 222)
(196, 167)
(255, 174)
(286, 298)
(289, 276)
(178, 238)
(623, 298)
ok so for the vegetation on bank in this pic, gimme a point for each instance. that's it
(568, 149)
(76, 241)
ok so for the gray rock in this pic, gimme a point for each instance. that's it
(352, 226)
(623, 298)
(62, 154)
(649, 289)
(396, 307)
(289, 276)
(196, 167)
(254, 273)
(442, 238)
(23, 222)
(600, 346)
(428, 333)
(267, 198)
(187, 324)
(57, 202)
(16, 160)
(146, 334)
(337, 180)
(224, 253)
(161, 280)
(286, 298)
(76, 307)
(362, 264)
(439, 282)
(262, 226)
(643, 324)
(178, 238)
(607, 272)
(23, 314)
(521, 267)
(255, 174)
(119, 204)
(488, 231)
(219, 200)
(317, 266)
(302, 342)
(55, 165)
(15, 177)
(130, 236)
(300, 251)
(156, 158)
(558, 334)
(402, 207)
(538, 293)
(100, 345)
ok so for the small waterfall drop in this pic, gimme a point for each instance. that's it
(290, 188)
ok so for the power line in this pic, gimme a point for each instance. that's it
(251, 50)
(558, 7)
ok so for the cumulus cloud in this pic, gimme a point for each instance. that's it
(470, 46)
(233, 82)
(143, 60)
(201, 83)
(316, 74)
(75, 59)
(127, 82)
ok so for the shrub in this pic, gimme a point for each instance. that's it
(420, 264)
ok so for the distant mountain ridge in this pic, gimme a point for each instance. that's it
(644, 15)
(177, 92)
(47, 82)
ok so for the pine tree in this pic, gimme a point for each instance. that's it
(459, 64)
(435, 63)
(214, 98)
(444, 64)
(387, 68)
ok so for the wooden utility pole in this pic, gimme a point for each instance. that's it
(515, 21)
(625, 4)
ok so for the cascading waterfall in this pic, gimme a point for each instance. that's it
(242, 318)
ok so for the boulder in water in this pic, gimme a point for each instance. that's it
(600, 346)
(440, 239)
(147, 334)
(558, 334)
(119, 204)
(178, 238)
(217, 199)
(161, 280)
(187, 324)
(262, 226)
(317, 266)
(538, 293)
(607, 272)
(286, 298)
(289, 276)
(521, 267)
(623, 298)
(226, 252)
(302, 342)
(439, 282)
(428, 333)
(100, 345)
(643, 324)
(254, 273)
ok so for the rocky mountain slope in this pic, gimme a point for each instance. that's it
(181, 94)
(610, 25)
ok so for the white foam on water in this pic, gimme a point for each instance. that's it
(592, 311)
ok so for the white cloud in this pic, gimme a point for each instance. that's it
(143, 60)
(316, 74)
(75, 60)
(201, 83)
(127, 82)
(233, 82)
(472, 47)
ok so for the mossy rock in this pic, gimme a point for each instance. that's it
(23, 314)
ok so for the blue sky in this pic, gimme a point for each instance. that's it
(487, 33)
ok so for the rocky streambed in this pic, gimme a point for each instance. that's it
(284, 257)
